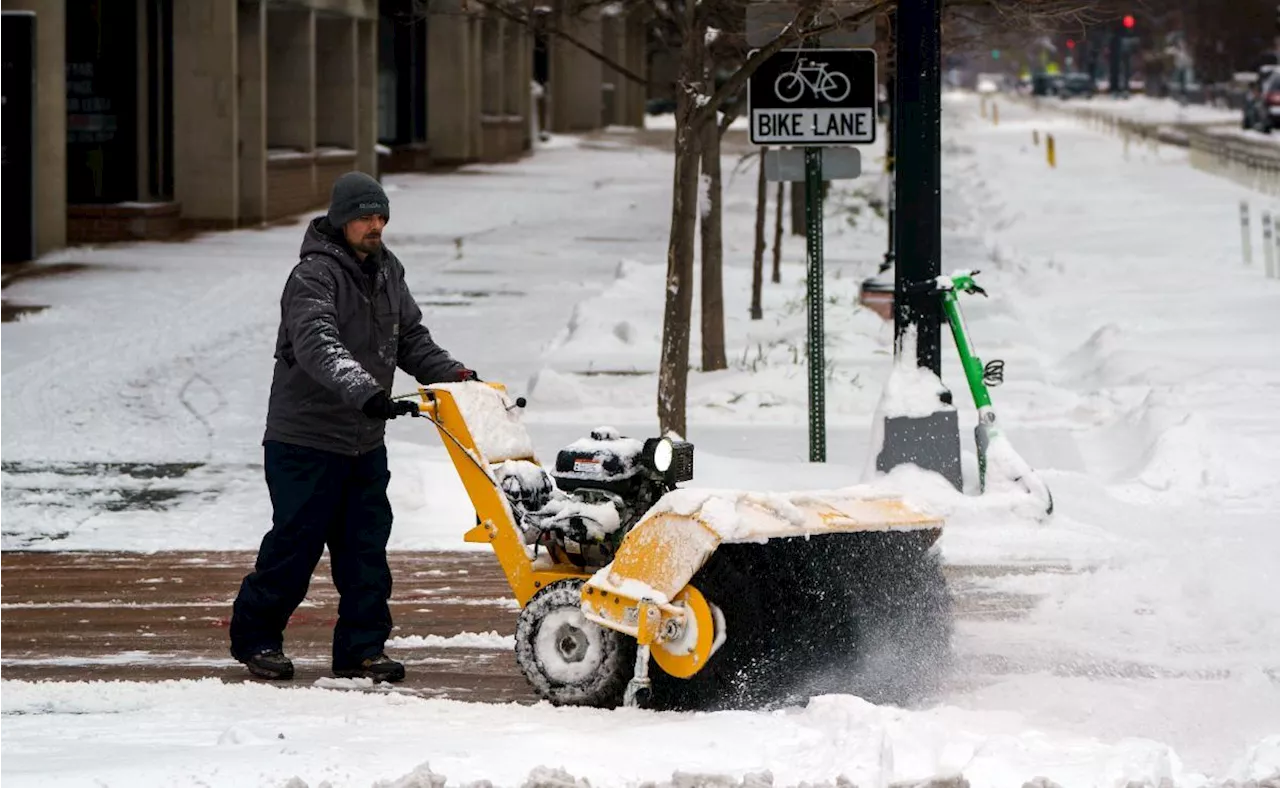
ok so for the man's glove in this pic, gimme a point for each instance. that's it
(465, 375)
(381, 406)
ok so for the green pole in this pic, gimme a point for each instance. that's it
(817, 364)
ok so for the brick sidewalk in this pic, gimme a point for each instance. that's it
(81, 616)
(152, 617)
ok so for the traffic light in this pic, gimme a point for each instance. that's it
(1071, 43)
(1128, 21)
(995, 54)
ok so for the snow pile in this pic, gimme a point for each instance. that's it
(482, 640)
(744, 516)
(1007, 471)
(107, 729)
(910, 391)
(562, 512)
(493, 420)
(523, 478)
(604, 329)
(551, 389)
(1262, 761)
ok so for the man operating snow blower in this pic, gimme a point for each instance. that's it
(347, 320)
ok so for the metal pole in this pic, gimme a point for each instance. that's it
(1114, 87)
(918, 160)
(817, 363)
(930, 442)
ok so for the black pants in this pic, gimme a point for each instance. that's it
(320, 498)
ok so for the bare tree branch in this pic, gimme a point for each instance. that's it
(534, 21)
(794, 33)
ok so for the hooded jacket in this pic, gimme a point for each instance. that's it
(344, 328)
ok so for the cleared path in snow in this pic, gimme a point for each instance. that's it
(162, 616)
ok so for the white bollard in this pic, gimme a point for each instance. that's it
(1245, 242)
(1273, 260)
(1268, 245)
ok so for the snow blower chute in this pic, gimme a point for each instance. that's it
(634, 591)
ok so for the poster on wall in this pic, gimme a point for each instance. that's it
(17, 135)
(102, 87)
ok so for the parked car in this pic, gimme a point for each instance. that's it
(1262, 101)
(1076, 83)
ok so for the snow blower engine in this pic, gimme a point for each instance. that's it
(600, 487)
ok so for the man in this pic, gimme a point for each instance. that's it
(347, 320)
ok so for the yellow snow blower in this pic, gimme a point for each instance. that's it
(738, 599)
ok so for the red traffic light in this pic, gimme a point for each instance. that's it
(1128, 21)
(1071, 43)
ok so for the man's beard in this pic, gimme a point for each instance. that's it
(369, 244)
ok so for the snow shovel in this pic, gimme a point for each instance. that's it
(995, 452)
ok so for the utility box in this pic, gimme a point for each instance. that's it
(17, 171)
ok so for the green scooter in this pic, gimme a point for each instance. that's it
(995, 452)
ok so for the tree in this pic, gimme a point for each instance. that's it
(713, 352)
(714, 356)
(777, 233)
(757, 256)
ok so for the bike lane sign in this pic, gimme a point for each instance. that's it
(814, 97)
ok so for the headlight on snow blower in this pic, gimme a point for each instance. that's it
(672, 459)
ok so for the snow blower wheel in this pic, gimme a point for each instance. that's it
(567, 659)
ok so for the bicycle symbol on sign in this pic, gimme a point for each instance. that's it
(830, 85)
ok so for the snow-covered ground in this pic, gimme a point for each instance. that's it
(1143, 365)
(1151, 110)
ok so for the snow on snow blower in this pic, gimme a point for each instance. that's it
(995, 453)
(634, 591)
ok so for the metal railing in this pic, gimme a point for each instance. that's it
(1211, 147)
(1251, 163)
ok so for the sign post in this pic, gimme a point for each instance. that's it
(815, 98)
(817, 359)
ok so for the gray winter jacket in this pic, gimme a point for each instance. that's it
(342, 334)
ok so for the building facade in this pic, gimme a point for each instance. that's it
(151, 116)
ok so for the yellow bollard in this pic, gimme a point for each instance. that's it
(995, 114)
(1035, 137)
(1049, 151)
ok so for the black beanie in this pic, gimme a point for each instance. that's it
(354, 195)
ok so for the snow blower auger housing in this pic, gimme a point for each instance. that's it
(737, 598)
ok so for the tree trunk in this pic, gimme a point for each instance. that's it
(673, 368)
(713, 353)
(757, 258)
(777, 233)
